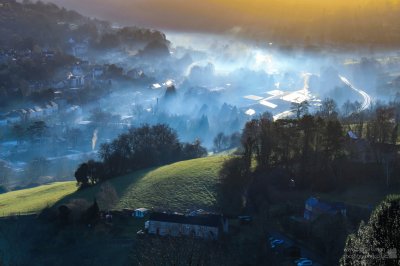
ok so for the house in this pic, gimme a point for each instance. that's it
(135, 73)
(77, 70)
(60, 84)
(32, 114)
(209, 226)
(49, 109)
(97, 72)
(80, 49)
(39, 111)
(24, 114)
(140, 213)
(75, 109)
(49, 54)
(352, 135)
(76, 81)
(52, 107)
(315, 207)
(360, 149)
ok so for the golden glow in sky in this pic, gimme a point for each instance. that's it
(179, 13)
(254, 19)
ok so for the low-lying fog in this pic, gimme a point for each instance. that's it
(208, 84)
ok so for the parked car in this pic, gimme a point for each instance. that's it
(244, 220)
(276, 242)
(300, 260)
(140, 234)
(305, 263)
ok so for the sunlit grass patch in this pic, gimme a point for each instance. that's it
(184, 185)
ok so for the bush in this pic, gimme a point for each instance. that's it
(3, 189)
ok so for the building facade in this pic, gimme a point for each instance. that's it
(209, 226)
(315, 207)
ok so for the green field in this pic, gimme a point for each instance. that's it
(34, 199)
(179, 186)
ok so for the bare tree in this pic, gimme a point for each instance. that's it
(221, 142)
(328, 109)
(300, 109)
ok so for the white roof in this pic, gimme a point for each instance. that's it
(84, 122)
(253, 97)
(250, 112)
(268, 104)
(283, 115)
(142, 210)
(275, 93)
(126, 117)
(295, 97)
(156, 86)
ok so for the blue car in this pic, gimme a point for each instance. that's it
(276, 242)
(305, 263)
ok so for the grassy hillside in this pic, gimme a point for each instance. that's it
(179, 186)
(34, 199)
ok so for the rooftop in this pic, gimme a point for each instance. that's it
(142, 209)
(325, 206)
(212, 220)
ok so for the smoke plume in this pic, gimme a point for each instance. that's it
(94, 139)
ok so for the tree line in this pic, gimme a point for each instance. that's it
(142, 147)
(312, 152)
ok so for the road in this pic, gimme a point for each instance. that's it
(367, 99)
(304, 92)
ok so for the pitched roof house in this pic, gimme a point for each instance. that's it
(315, 207)
(140, 212)
(360, 149)
(209, 226)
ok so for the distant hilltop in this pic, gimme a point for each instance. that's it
(29, 26)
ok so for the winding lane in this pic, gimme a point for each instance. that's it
(367, 99)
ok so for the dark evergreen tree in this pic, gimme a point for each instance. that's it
(378, 241)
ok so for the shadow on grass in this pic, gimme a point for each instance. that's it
(121, 185)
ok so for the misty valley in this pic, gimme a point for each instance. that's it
(125, 145)
(199, 92)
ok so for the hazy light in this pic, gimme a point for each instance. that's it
(265, 61)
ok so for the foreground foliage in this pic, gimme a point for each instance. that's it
(378, 241)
